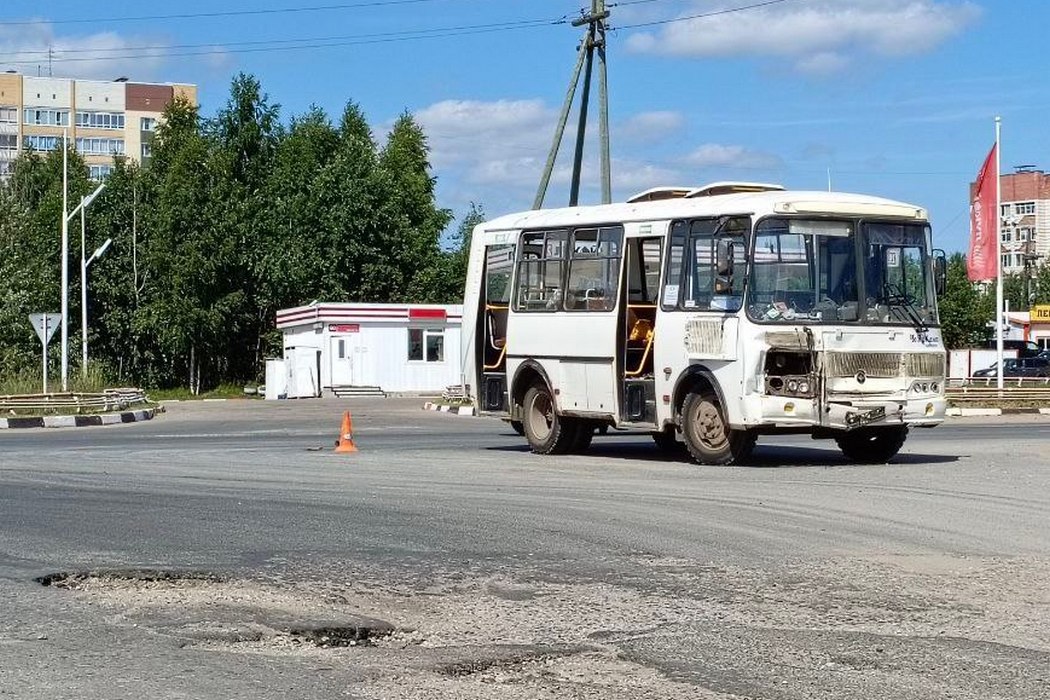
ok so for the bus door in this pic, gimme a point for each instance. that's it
(493, 310)
(637, 339)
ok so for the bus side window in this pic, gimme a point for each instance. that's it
(675, 263)
(594, 269)
(539, 286)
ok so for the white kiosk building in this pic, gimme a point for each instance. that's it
(347, 349)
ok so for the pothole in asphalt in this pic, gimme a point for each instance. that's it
(76, 580)
(349, 636)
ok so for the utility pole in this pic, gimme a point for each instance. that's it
(594, 41)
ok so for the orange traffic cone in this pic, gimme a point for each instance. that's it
(345, 443)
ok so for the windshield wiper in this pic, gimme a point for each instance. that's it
(898, 301)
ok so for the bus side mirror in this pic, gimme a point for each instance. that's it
(724, 258)
(940, 272)
(724, 267)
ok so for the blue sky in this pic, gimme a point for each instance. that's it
(895, 97)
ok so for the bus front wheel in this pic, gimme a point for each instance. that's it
(872, 445)
(547, 432)
(707, 433)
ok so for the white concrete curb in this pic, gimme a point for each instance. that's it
(78, 421)
(457, 410)
(964, 412)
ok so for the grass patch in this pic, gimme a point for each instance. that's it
(223, 391)
(30, 382)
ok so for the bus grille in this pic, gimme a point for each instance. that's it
(872, 364)
(925, 364)
(885, 364)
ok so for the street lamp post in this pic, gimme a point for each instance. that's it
(83, 289)
(85, 202)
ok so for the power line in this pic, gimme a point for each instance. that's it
(260, 42)
(302, 44)
(226, 13)
(702, 15)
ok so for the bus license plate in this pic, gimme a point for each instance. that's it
(858, 418)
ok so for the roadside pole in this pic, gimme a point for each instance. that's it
(45, 326)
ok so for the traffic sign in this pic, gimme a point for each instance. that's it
(45, 325)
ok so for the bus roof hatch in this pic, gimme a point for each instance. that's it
(655, 193)
(717, 188)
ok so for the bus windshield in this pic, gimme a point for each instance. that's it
(897, 285)
(808, 270)
(803, 270)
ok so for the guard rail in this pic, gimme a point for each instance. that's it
(73, 402)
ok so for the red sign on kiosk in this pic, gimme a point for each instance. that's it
(426, 314)
(344, 327)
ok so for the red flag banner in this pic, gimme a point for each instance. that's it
(981, 263)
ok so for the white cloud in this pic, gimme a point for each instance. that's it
(820, 37)
(714, 155)
(493, 153)
(103, 55)
(491, 139)
(651, 127)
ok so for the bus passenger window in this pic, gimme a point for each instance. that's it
(594, 269)
(539, 286)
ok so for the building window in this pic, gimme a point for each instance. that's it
(5, 168)
(147, 124)
(426, 345)
(41, 143)
(1004, 210)
(46, 117)
(100, 146)
(8, 142)
(98, 173)
(147, 150)
(1023, 208)
(8, 115)
(1004, 235)
(100, 120)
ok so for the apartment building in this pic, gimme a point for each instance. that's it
(101, 118)
(1024, 218)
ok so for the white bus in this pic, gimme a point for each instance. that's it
(709, 316)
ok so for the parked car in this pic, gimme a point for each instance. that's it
(1022, 367)
(1024, 348)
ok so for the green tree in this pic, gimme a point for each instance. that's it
(963, 321)
(413, 240)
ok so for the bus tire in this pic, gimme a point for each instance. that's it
(707, 434)
(872, 445)
(517, 427)
(547, 432)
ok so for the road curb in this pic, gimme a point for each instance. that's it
(445, 408)
(963, 412)
(77, 421)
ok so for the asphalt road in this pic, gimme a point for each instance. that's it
(480, 570)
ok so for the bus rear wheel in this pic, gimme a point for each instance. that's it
(547, 432)
(707, 434)
(872, 445)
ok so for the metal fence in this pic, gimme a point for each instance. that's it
(73, 402)
(983, 389)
